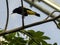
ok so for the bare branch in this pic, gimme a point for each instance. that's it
(54, 20)
(6, 25)
(51, 14)
(56, 24)
(27, 26)
(22, 13)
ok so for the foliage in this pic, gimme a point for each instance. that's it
(55, 44)
(35, 38)
(12, 39)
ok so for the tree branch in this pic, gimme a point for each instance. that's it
(54, 20)
(27, 26)
(22, 13)
(51, 14)
(6, 25)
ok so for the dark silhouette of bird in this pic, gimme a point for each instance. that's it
(26, 11)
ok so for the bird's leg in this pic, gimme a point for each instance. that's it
(23, 21)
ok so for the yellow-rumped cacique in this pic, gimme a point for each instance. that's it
(26, 11)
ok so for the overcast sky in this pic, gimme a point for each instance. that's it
(49, 28)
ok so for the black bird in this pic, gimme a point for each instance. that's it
(26, 11)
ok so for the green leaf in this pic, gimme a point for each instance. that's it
(55, 44)
(18, 40)
(35, 34)
(45, 43)
(38, 36)
(31, 31)
(4, 43)
(45, 37)
(10, 36)
(39, 33)
(18, 34)
(33, 43)
(1, 30)
(30, 42)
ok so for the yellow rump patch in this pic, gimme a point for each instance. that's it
(30, 12)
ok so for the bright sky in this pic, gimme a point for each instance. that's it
(49, 29)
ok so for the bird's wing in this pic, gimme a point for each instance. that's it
(27, 9)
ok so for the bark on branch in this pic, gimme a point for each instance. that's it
(27, 26)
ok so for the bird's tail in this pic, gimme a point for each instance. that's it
(37, 14)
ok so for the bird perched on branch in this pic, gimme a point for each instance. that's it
(26, 11)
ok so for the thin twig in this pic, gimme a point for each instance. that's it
(56, 24)
(22, 13)
(54, 20)
(51, 14)
(27, 26)
(23, 21)
(6, 25)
